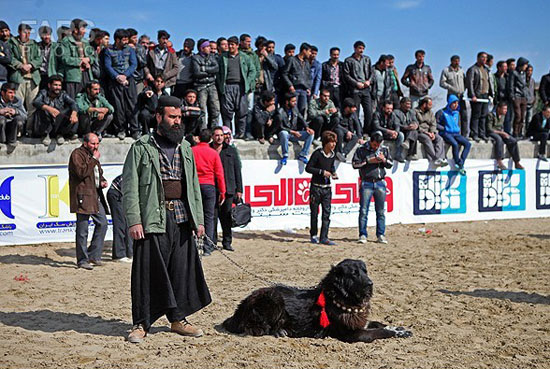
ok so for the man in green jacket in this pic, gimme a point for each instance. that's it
(237, 77)
(94, 111)
(25, 64)
(77, 58)
(162, 204)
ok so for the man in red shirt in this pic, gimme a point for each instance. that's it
(210, 173)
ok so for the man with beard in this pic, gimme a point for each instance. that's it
(56, 114)
(5, 52)
(162, 204)
(332, 76)
(77, 58)
(12, 115)
(94, 111)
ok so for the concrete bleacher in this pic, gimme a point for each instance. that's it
(32, 152)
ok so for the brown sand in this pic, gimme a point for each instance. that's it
(476, 295)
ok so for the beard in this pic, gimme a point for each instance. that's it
(173, 133)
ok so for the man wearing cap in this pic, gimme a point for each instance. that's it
(237, 78)
(184, 81)
(25, 64)
(46, 46)
(163, 207)
(161, 61)
(77, 58)
(205, 68)
(5, 52)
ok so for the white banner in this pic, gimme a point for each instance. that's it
(34, 201)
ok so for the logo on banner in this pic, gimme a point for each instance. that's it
(5, 197)
(292, 192)
(439, 193)
(501, 190)
(54, 195)
(543, 189)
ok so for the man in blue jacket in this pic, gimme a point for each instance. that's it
(448, 124)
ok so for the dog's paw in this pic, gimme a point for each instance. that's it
(399, 332)
(281, 333)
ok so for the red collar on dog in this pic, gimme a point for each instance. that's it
(323, 319)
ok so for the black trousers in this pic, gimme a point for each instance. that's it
(180, 89)
(336, 96)
(87, 124)
(223, 213)
(263, 131)
(167, 276)
(9, 127)
(343, 145)
(122, 242)
(124, 100)
(147, 121)
(74, 88)
(363, 98)
(209, 201)
(499, 143)
(542, 137)
(323, 123)
(319, 196)
(479, 118)
(45, 124)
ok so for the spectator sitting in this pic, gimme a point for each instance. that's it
(321, 166)
(94, 111)
(147, 104)
(322, 114)
(427, 133)
(12, 115)
(384, 121)
(292, 126)
(191, 117)
(448, 120)
(262, 122)
(406, 119)
(56, 114)
(539, 130)
(348, 130)
(495, 130)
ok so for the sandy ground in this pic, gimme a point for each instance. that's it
(476, 295)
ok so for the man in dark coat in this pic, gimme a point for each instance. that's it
(86, 184)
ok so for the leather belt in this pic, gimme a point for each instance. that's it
(373, 180)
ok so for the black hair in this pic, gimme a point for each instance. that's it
(205, 135)
(244, 36)
(358, 43)
(500, 63)
(260, 41)
(289, 47)
(191, 91)
(289, 95)
(162, 33)
(334, 49)
(131, 32)
(348, 103)
(120, 34)
(54, 78)
(510, 61)
(266, 96)
(9, 86)
(418, 52)
(314, 48)
(454, 57)
(479, 54)
(305, 46)
(91, 83)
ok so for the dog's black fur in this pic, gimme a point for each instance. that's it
(287, 311)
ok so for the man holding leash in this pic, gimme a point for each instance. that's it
(163, 207)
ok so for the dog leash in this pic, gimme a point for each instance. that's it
(200, 245)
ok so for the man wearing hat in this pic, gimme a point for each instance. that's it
(161, 61)
(184, 81)
(25, 64)
(5, 52)
(77, 58)
(163, 207)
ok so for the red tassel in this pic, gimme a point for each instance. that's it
(323, 320)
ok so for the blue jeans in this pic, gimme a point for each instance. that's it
(456, 140)
(368, 190)
(285, 136)
(301, 101)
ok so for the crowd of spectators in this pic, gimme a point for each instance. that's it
(65, 89)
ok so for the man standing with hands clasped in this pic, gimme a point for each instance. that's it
(163, 207)
(86, 184)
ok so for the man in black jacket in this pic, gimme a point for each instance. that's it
(147, 104)
(348, 130)
(479, 87)
(539, 130)
(5, 51)
(358, 77)
(191, 117)
(233, 185)
(205, 68)
(418, 78)
(262, 118)
(297, 76)
(544, 89)
(332, 76)
(517, 90)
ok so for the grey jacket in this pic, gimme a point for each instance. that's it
(16, 104)
(63, 102)
(204, 69)
(473, 81)
(404, 119)
(297, 74)
(452, 80)
(357, 71)
(383, 124)
(185, 74)
(382, 84)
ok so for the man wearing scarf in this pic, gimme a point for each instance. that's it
(163, 207)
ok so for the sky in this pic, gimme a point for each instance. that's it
(503, 28)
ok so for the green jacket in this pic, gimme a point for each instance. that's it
(54, 67)
(494, 123)
(33, 58)
(255, 62)
(315, 109)
(143, 194)
(84, 103)
(70, 59)
(247, 69)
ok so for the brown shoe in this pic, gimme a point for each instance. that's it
(138, 334)
(518, 165)
(186, 329)
(501, 165)
(262, 141)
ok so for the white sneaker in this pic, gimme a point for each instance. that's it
(123, 260)
(362, 239)
(382, 239)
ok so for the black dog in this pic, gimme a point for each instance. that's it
(338, 307)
